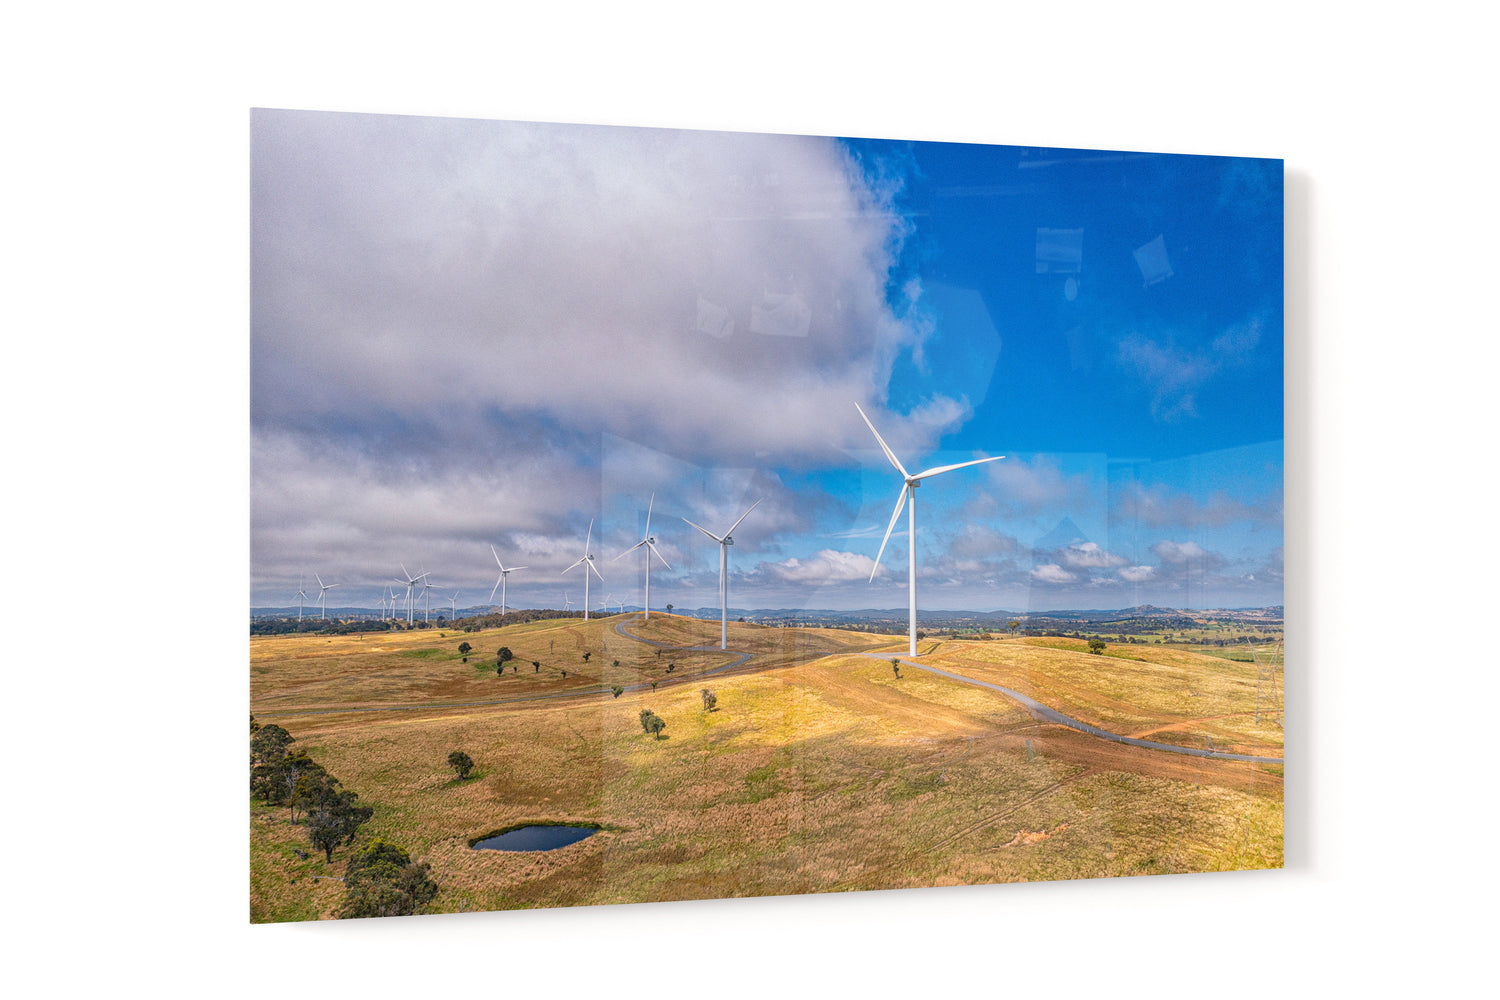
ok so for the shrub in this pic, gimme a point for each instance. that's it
(461, 763)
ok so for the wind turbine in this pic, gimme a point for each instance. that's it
(500, 583)
(587, 562)
(650, 544)
(724, 544)
(426, 598)
(604, 604)
(323, 588)
(909, 486)
(301, 596)
(453, 607)
(411, 585)
(567, 603)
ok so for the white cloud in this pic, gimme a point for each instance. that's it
(1051, 573)
(826, 567)
(1137, 574)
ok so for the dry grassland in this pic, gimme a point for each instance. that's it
(823, 773)
(1167, 695)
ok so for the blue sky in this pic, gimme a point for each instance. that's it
(469, 333)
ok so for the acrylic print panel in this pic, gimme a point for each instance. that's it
(644, 515)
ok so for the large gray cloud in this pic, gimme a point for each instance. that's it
(468, 332)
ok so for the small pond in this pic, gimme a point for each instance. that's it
(535, 838)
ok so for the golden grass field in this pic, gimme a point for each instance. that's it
(819, 771)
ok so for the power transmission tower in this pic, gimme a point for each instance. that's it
(1268, 669)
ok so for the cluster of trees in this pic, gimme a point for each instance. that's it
(380, 879)
(652, 723)
(280, 775)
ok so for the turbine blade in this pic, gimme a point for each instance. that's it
(659, 556)
(596, 570)
(649, 504)
(630, 550)
(514, 568)
(900, 506)
(496, 588)
(742, 517)
(575, 565)
(590, 540)
(883, 446)
(320, 581)
(710, 534)
(960, 465)
(497, 557)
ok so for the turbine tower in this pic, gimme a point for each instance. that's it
(650, 544)
(500, 583)
(724, 544)
(587, 562)
(909, 486)
(323, 588)
(301, 596)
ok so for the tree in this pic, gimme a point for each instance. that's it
(669, 609)
(335, 818)
(652, 723)
(653, 686)
(896, 667)
(381, 880)
(921, 634)
(671, 667)
(617, 663)
(1012, 625)
(1096, 645)
(536, 666)
(464, 649)
(461, 763)
(709, 700)
(616, 690)
(503, 654)
(586, 656)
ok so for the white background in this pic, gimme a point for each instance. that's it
(126, 393)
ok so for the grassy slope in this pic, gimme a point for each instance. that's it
(831, 774)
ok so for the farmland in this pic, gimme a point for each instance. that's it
(819, 770)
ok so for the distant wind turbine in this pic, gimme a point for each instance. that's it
(909, 486)
(427, 589)
(323, 588)
(724, 544)
(587, 562)
(301, 596)
(453, 607)
(411, 586)
(500, 583)
(650, 544)
(567, 603)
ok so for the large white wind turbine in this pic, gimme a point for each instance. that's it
(909, 492)
(500, 583)
(323, 588)
(724, 544)
(650, 544)
(587, 562)
(411, 586)
(301, 596)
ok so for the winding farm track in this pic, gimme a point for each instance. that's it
(1037, 709)
(1045, 714)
